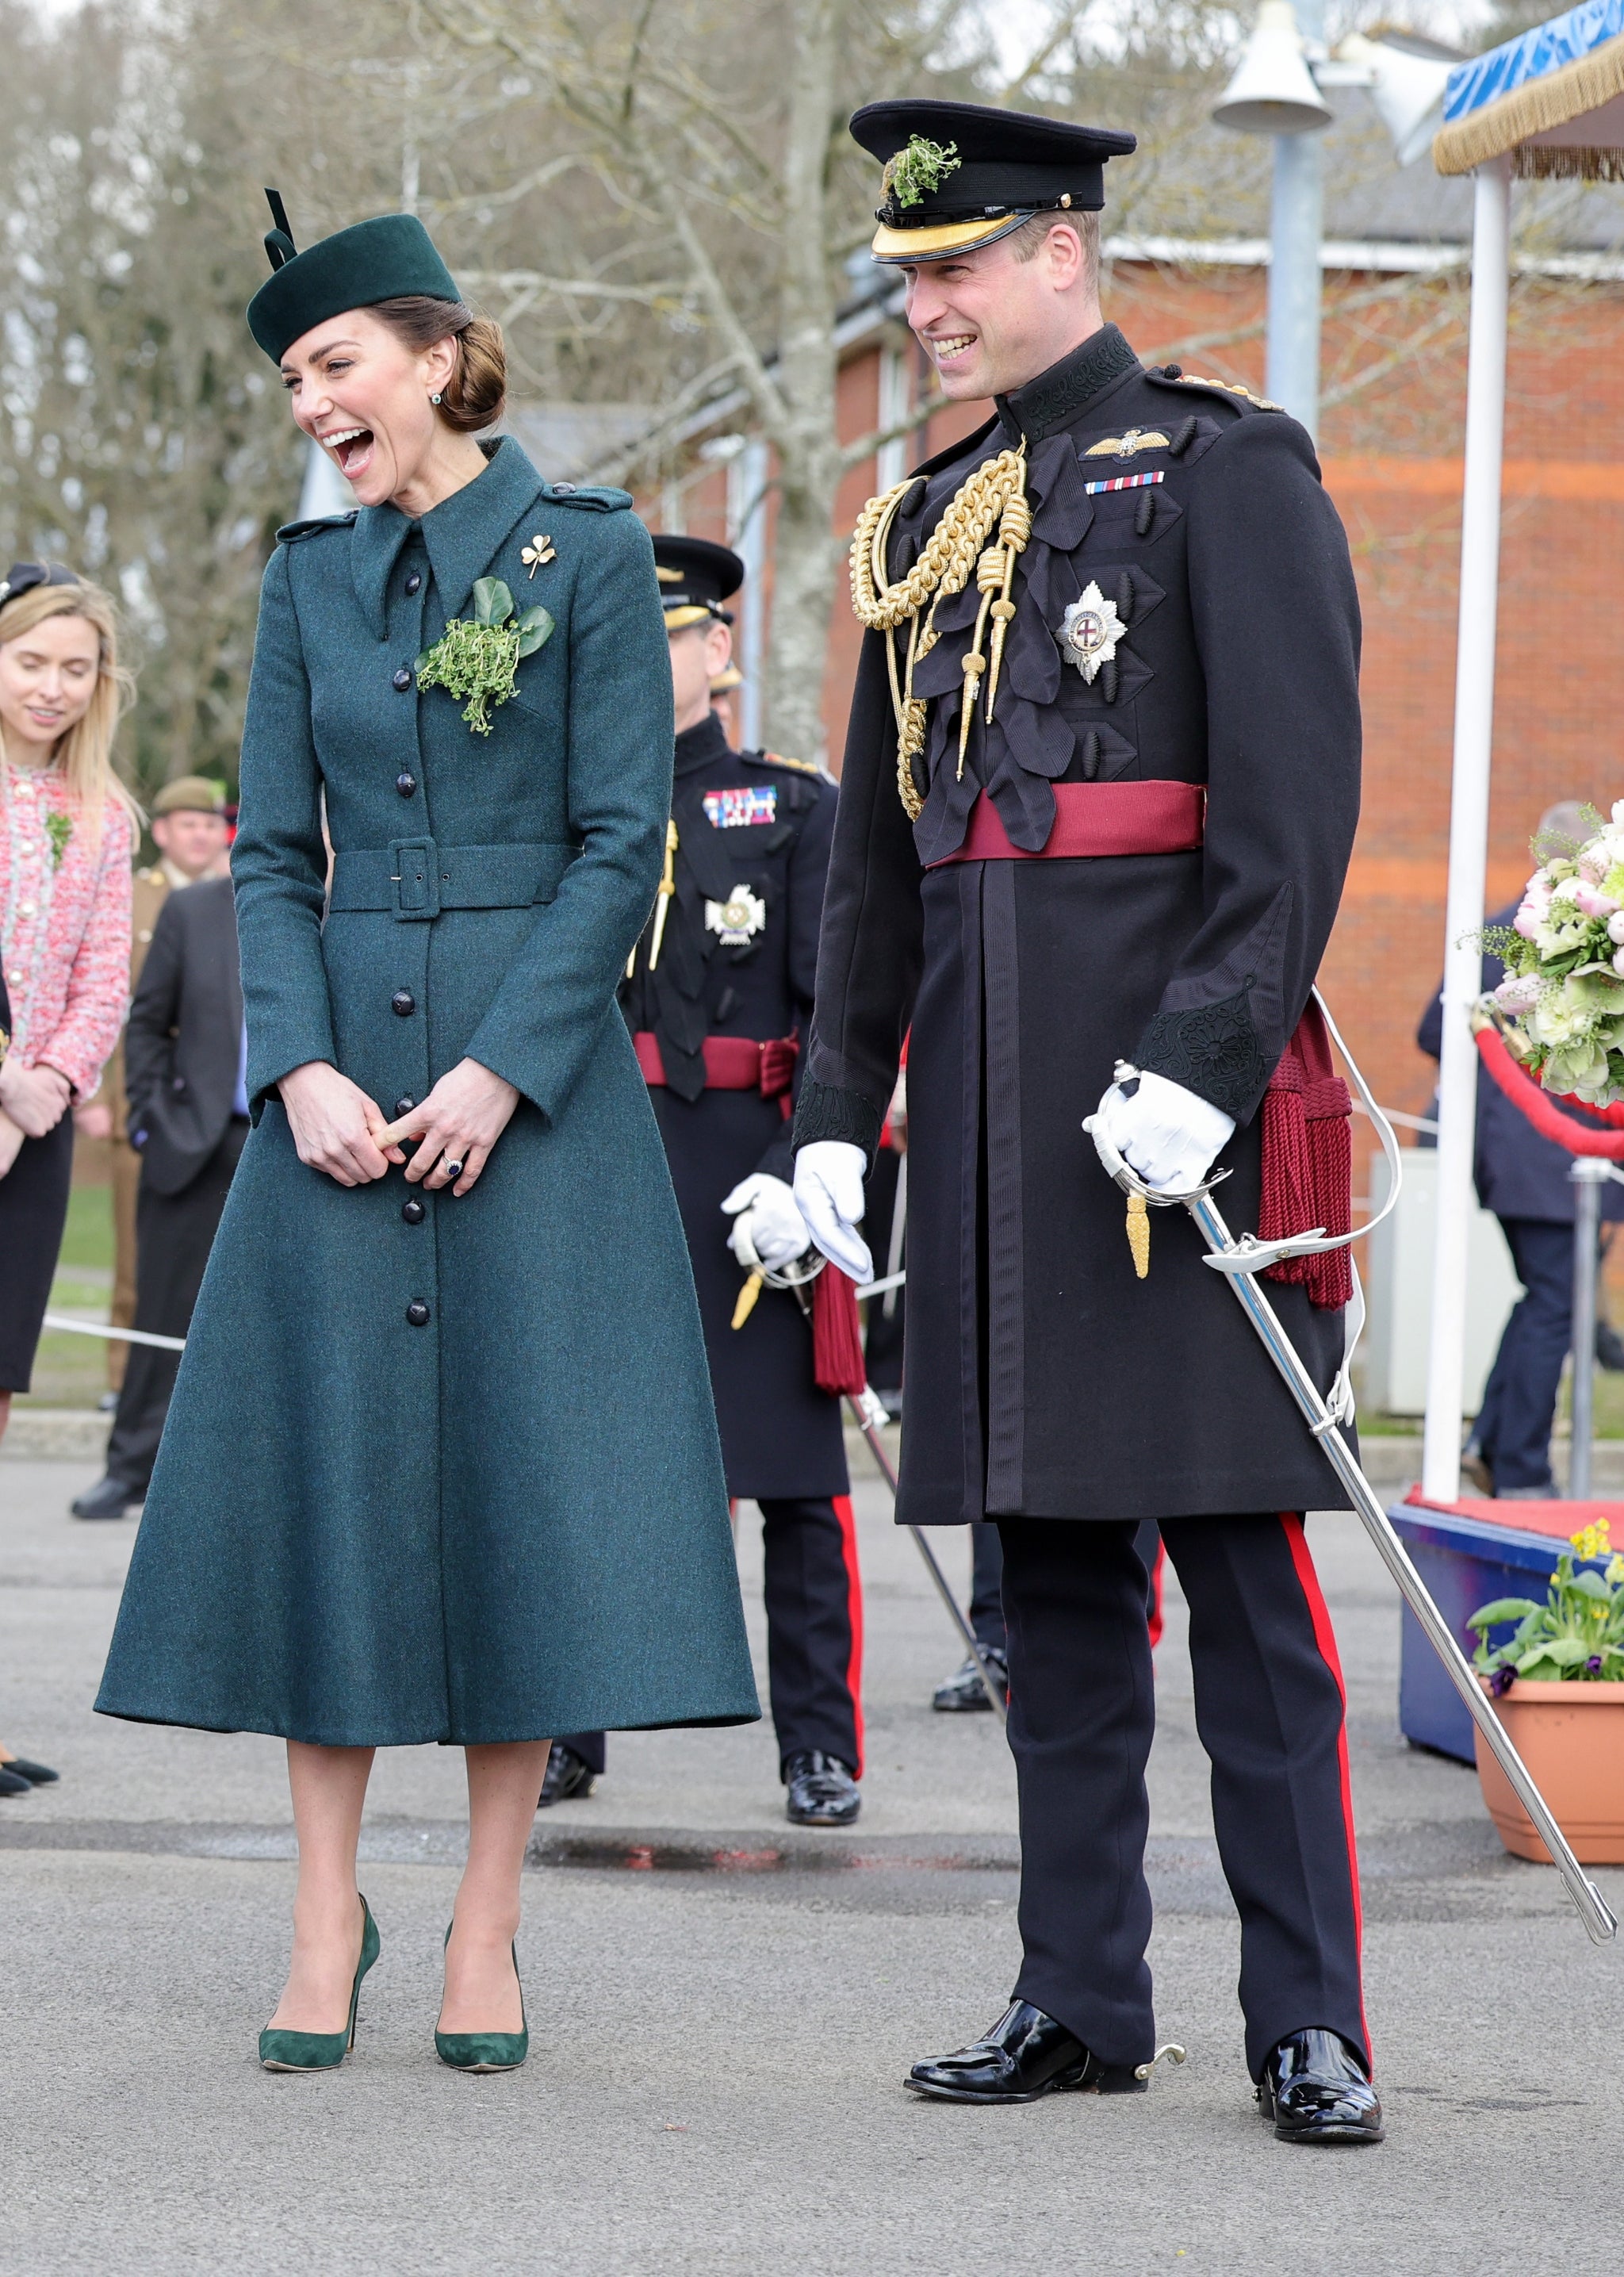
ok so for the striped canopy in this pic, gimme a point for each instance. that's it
(1552, 100)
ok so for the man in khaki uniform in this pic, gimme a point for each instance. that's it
(189, 830)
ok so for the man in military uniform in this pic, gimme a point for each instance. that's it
(716, 993)
(189, 830)
(1099, 795)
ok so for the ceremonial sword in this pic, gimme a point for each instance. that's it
(1240, 1261)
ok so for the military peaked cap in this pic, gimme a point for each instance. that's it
(389, 259)
(958, 175)
(695, 578)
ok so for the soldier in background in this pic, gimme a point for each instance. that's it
(189, 829)
(717, 994)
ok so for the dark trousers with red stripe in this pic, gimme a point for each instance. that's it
(813, 1602)
(1269, 1708)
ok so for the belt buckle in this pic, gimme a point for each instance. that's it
(414, 878)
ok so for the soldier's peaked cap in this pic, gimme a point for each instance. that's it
(390, 258)
(695, 578)
(958, 175)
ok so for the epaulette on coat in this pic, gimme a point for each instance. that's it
(799, 766)
(1170, 375)
(291, 532)
(602, 499)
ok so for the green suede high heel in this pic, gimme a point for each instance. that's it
(283, 2051)
(486, 2051)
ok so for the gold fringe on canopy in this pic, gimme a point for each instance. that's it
(1558, 161)
(1536, 108)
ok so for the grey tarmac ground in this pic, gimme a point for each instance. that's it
(717, 2048)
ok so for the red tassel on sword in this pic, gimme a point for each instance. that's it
(837, 1363)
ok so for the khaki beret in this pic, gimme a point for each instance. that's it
(188, 795)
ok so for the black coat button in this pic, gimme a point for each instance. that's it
(414, 582)
(413, 1211)
(403, 1106)
(417, 1315)
(403, 1002)
(403, 679)
(406, 785)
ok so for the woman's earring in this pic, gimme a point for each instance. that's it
(434, 398)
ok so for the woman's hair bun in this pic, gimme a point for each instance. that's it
(472, 397)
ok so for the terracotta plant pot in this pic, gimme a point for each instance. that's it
(1571, 1736)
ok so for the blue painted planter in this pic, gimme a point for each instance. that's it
(1465, 1562)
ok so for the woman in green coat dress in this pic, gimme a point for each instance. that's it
(441, 1462)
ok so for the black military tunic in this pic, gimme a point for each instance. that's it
(736, 959)
(1041, 1379)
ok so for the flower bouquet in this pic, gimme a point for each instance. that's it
(1562, 999)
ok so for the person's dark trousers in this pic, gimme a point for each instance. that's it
(987, 1585)
(813, 1602)
(34, 1208)
(1513, 1430)
(987, 1579)
(173, 1236)
(1268, 1710)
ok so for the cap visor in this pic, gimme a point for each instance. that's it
(908, 246)
(681, 614)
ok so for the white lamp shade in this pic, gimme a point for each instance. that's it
(1273, 92)
(1407, 89)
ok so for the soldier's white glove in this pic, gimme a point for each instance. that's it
(829, 1176)
(1165, 1132)
(763, 1212)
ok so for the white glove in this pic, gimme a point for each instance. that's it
(829, 1176)
(1165, 1132)
(768, 1229)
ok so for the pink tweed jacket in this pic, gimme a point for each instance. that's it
(65, 924)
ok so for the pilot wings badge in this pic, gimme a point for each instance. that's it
(1129, 444)
(737, 920)
(1090, 632)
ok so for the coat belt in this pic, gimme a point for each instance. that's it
(731, 1062)
(1091, 819)
(414, 879)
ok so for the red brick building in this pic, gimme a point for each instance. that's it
(1394, 366)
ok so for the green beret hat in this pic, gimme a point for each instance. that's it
(389, 258)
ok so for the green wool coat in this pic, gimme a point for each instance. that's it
(508, 1521)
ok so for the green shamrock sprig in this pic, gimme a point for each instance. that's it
(478, 657)
(922, 167)
(58, 829)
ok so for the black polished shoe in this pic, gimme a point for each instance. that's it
(13, 1782)
(1024, 2056)
(1317, 2089)
(964, 1692)
(108, 1498)
(34, 1774)
(568, 1778)
(822, 1790)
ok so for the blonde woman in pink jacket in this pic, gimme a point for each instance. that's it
(66, 831)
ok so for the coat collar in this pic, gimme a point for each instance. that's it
(463, 534)
(705, 745)
(1056, 396)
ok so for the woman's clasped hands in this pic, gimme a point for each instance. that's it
(337, 1128)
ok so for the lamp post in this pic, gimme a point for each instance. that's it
(1273, 93)
(1277, 91)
